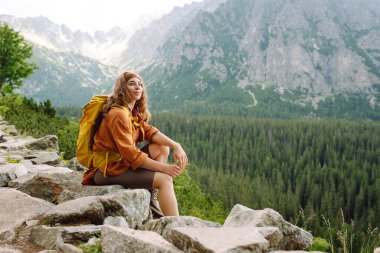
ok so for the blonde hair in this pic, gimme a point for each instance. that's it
(120, 96)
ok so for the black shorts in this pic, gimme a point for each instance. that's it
(140, 178)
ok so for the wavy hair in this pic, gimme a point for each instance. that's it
(120, 96)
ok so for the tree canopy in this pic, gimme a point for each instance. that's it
(14, 53)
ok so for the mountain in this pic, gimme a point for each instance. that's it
(273, 58)
(256, 53)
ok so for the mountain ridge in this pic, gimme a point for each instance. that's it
(257, 54)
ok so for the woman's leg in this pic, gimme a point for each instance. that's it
(166, 196)
(158, 152)
(163, 182)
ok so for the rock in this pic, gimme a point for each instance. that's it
(48, 186)
(162, 225)
(44, 157)
(117, 239)
(376, 250)
(8, 249)
(68, 248)
(30, 223)
(117, 221)
(74, 165)
(53, 237)
(294, 238)
(9, 130)
(133, 205)
(44, 143)
(16, 208)
(54, 184)
(221, 239)
(9, 172)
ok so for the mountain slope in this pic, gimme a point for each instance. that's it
(67, 78)
(302, 50)
(275, 58)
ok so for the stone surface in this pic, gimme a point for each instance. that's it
(8, 249)
(53, 237)
(117, 221)
(133, 205)
(164, 224)
(117, 239)
(16, 208)
(294, 238)
(376, 250)
(44, 143)
(218, 239)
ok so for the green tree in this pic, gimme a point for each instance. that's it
(14, 52)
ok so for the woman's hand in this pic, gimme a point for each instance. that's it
(180, 156)
(171, 169)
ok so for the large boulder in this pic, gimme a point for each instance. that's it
(54, 237)
(117, 239)
(48, 142)
(133, 205)
(164, 224)
(11, 171)
(54, 184)
(224, 239)
(16, 208)
(294, 238)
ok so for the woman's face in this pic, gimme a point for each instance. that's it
(135, 88)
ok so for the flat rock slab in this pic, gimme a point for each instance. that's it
(117, 239)
(218, 240)
(16, 208)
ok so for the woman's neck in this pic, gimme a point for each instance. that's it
(131, 105)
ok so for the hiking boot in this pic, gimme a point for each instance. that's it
(154, 205)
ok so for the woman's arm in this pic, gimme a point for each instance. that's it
(170, 169)
(178, 152)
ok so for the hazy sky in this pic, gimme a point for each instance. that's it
(90, 15)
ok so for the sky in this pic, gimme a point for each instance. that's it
(90, 15)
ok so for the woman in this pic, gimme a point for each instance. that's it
(136, 168)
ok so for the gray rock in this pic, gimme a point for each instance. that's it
(294, 238)
(30, 223)
(117, 239)
(133, 205)
(10, 172)
(8, 249)
(44, 143)
(376, 250)
(48, 186)
(68, 248)
(218, 239)
(16, 208)
(164, 224)
(9, 130)
(73, 164)
(117, 221)
(295, 251)
(53, 237)
(44, 157)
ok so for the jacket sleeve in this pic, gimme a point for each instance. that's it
(149, 132)
(124, 142)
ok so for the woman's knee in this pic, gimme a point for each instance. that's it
(159, 151)
(162, 180)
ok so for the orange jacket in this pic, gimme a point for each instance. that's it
(115, 135)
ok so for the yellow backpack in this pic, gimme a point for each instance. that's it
(91, 111)
(90, 121)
